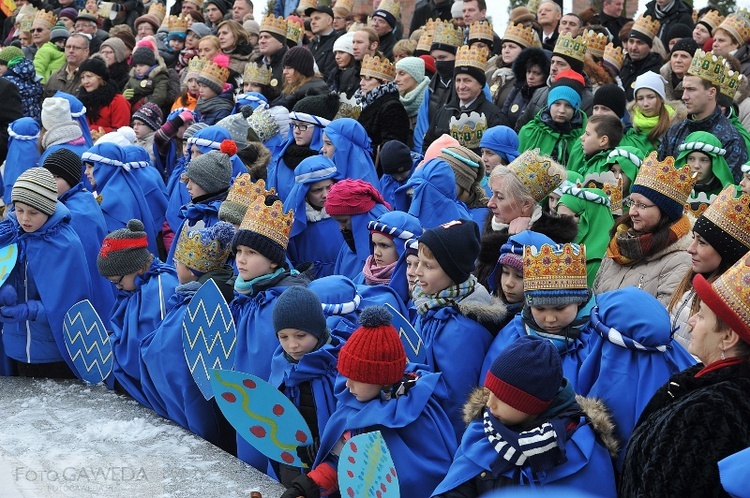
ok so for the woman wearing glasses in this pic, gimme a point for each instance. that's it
(647, 248)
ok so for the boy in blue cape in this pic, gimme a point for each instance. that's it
(347, 144)
(49, 277)
(167, 384)
(145, 284)
(381, 396)
(398, 164)
(304, 365)
(527, 428)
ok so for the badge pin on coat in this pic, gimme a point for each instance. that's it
(87, 342)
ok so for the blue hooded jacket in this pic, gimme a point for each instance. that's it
(349, 263)
(23, 152)
(353, 152)
(279, 175)
(150, 180)
(397, 224)
(388, 185)
(341, 303)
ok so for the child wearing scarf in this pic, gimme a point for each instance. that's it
(651, 114)
(388, 236)
(149, 80)
(704, 153)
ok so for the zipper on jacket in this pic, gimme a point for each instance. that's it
(26, 295)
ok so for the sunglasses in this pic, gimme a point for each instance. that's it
(37, 30)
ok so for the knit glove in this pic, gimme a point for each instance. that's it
(29, 310)
(302, 486)
(308, 453)
(186, 116)
(8, 295)
(128, 93)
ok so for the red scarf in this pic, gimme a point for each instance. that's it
(720, 364)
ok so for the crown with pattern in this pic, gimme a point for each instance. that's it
(518, 33)
(646, 26)
(698, 204)
(47, 17)
(202, 254)
(260, 74)
(731, 213)
(295, 30)
(159, 10)
(87, 14)
(393, 7)
(712, 19)
(731, 82)
(538, 173)
(481, 31)
(273, 24)
(572, 47)
(551, 268)
(348, 110)
(614, 56)
(177, 24)
(471, 57)
(595, 43)
(356, 26)
(194, 68)
(269, 221)
(708, 66)
(447, 34)
(375, 67)
(468, 129)
(347, 5)
(306, 4)
(430, 25)
(244, 191)
(263, 124)
(610, 184)
(425, 41)
(738, 26)
(533, 5)
(214, 73)
(664, 178)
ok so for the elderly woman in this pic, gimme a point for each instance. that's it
(234, 42)
(676, 67)
(700, 416)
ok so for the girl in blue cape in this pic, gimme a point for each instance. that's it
(341, 303)
(315, 236)
(632, 354)
(167, 384)
(557, 305)
(380, 395)
(388, 236)
(23, 152)
(119, 193)
(304, 365)
(397, 163)
(145, 284)
(49, 277)
(152, 184)
(346, 143)
(404, 278)
(499, 146)
(78, 113)
(527, 427)
(354, 204)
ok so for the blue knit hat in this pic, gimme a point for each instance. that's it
(566, 93)
(299, 308)
(502, 140)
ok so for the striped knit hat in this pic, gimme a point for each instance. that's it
(36, 187)
(124, 251)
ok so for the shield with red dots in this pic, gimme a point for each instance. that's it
(261, 414)
(366, 468)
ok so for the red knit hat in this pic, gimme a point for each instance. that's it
(374, 353)
(349, 197)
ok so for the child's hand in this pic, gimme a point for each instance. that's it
(97, 134)
(8, 295)
(303, 487)
(186, 116)
(308, 453)
(128, 93)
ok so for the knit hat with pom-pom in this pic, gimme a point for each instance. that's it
(213, 171)
(205, 249)
(374, 353)
(215, 73)
(349, 197)
(124, 251)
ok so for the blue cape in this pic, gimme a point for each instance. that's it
(734, 476)
(348, 262)
(320, 243)
(341, 303)
(177, 194)
(78, 113)
(279, 175)
(353, 150)
(206, 212)
(388, 185)
(311, 170)
(150, 180)
(209, 139)
(23, 152)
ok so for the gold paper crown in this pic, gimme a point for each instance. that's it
(347, 5)
(571, 47)
(273, 24)
(294, 30)
(646, 26)
(696, 206)
(243, 191)
(713, 19)
(306, 4)
(447, 34)
(393, 7)
(195, 66)
(614, 56)
(425, 42)
(523, 36)
(198, 254)
(348, 110)
(611, 185)
(482, 31)
(539, 174)
(731, 82)
(471, 57)
(159, 10)
(468, 129)
(533, 5)
(177, 24)
(731, 214)
(664, 178)
(259, 74)
(430, 25)
(708, 66)
(733, 288)
(87, 13)
(738, 26)
(554, 268)
(46, 17)
(214, 73)
(263, 124)
(595, 43)
(375, 67)
(269, 221)
(356, 26)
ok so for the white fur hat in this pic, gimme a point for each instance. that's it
(457, 10)
(652, 81)
(55, 111)
(344, 43)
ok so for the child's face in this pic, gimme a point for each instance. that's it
(430, 274)
(561, 111)
(328, 148)
(62, 185)
(491, 159)
(506, 414)
(30, 218)
(700, 163)
(89, 171)
(252, 264)
(60, 44)
(383, 250)
(141, 129)
(648, 101)
(142, 69)
(318, 193)
(191, 41)
(184, 275)
(592, 142)
(602, 110)
(363, 392)
(124, 282)
(176, 44)
(745, 183)
(552, 201)
(194, 189)
(553, 319)
(206, 92)
(564, 210)
(511, 281)
(192, 86)
(303, 133)
(617, 170)
(412, 261)
(296, 343)
(345, 222)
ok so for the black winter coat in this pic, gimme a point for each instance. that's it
(322, 50)
(680, 13)
(440, 122)
(632, 69)
(687, 427)
(315, 86)
(385, 119)
(430, 9)
(345, 81)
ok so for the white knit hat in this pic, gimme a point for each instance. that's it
(344, 43)
(414, 66)
(55, 111)
(652, 81)
(457, 10)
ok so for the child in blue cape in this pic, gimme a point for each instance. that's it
(23, 152)
(341, 302)
(381, 396)
(454, 311)
(170, 140)
(304, 365)
(145, 284)
(499, 146)
(151, 181)
(557, 304)
(527, 427)
(315, 236)
(398, 164)
(404, 279)
(49, 277)
(78, 113)
(60, 130)
(354, 204)
(347, 144)
(469, 170)
(177, 194)
(632, 354)
(167, 384)
(388, 236)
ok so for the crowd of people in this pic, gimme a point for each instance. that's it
(560, 207)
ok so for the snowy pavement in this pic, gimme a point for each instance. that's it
(63, 438)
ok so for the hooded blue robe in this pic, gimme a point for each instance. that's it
(353, 151)
(734, 477)
(23, 152)
(253, 99)
(150, 180)
(205, 213)
(279, 175)
(388, 185)
(349, 263)
(341, 303)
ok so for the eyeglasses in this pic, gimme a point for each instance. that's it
(37, 30)
(118, 282)
(630, 203)
(301, 127)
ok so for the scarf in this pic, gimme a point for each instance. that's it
(184, 58)
(213, 105)
(375, 93)
(499, 227)
(645, 124)
(246, 287)
(375, 275)
(412, 101)
(446, 297)
(314, 215)
(728, 362)
(295, 154)
(627, 249)
(661, 12)
(97, 100)
(62, 134)
(188, 288)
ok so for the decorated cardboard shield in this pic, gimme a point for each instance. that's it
(8, 258)
(87, 342)
(410, 338)
(366, 468)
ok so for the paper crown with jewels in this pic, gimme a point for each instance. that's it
(468, 129)
(523, 36)
(347, 5)
(647, 26)
(273, 24)
(471, 57)
(375, 67)
(731, 82)
(481, 31)
(611, 184)
(430, 25)
(244, 191)
(295, 30)
(263, 124)
(730, 213)
(447, 34)
(194, 68)
(304, 5)
(664, 178)
(269, 221)
(214, 73)
(393, 7)
(698, 204)
(738, 26)
(201, 253)
(159, 10)
(87, 15)
(574, 47)
(348, 108)
(425, 41)
(708, 66)
(595, 43)
(614, 56)
(538, 173)
(260, 74)
(47, 17)
(549, 268)
(177, 24)
(712, 19)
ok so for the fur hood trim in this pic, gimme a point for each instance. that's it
(743, 92)
(680, 111)
(161, 67)
(259, 168)
(483, 308)
(533, 56)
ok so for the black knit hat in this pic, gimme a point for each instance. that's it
(472, 71)
(301, 60)
(324, 106)
(95, 65)
(678, 30)
(143, 55)
(574, 64)
(36, 187)
(66, 164)
(455, 246)
(299, 308)
(612, 97)
(223, 7)
(395, 157)
(124, 251)
(685, 45)
(259, 242)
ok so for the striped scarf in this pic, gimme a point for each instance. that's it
(447, 297)
(626, 249)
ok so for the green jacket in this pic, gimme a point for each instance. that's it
(543, 134)
(48, 59)
(638, 140)
(153, 88)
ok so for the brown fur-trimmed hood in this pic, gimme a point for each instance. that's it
(487, 310)
(256, 157)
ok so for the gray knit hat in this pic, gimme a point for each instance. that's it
(468, 168)
(36, 187)
(299, 308)
(213, 171)
(124, 251)
(193, 129)
(237, 126)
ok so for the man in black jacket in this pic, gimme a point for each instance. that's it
(640, 58)
(321, 24)
(611, 18)
(430, 9)
(669, 12)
